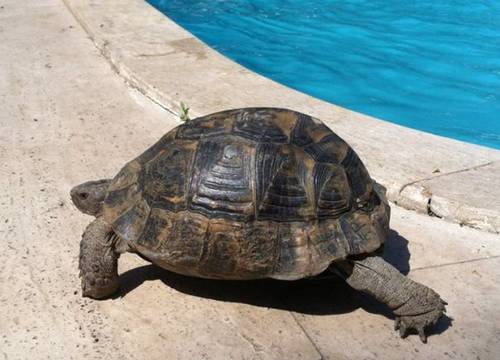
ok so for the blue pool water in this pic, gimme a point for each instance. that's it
(427, 64)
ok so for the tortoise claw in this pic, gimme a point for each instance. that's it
(397, 323)
(422, 335)
(403, 330)
(418, 323)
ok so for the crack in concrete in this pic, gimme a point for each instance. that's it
(156, 55)
(415, 202)
(446, 174)
(455, 263)
(253, 344)
(322, 357)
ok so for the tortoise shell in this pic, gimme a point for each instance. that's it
(245, 194)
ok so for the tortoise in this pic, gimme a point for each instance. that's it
(248, 194)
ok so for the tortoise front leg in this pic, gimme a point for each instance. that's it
(98, 261)
(416, 306)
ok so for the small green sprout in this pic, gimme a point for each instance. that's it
(184, 115)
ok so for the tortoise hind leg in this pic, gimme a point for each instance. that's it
(415, 306)
(98, 260)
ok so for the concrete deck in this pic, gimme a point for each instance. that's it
(169, 65)
(68, 117)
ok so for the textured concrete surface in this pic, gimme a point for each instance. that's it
(169, 65)
(67, 117)
(481, 182)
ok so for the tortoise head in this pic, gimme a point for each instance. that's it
(89, 196)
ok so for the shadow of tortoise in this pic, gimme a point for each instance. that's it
(325, 294)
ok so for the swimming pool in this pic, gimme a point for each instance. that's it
(430, 65)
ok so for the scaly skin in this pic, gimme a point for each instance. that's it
(98, 261)
(415, 306)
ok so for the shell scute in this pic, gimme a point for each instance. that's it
(209, 126)
(333, 194)
(260, 126)
(166, 177)
(284, 189)
(221, 183)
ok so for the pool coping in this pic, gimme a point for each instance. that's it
(446, 178)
